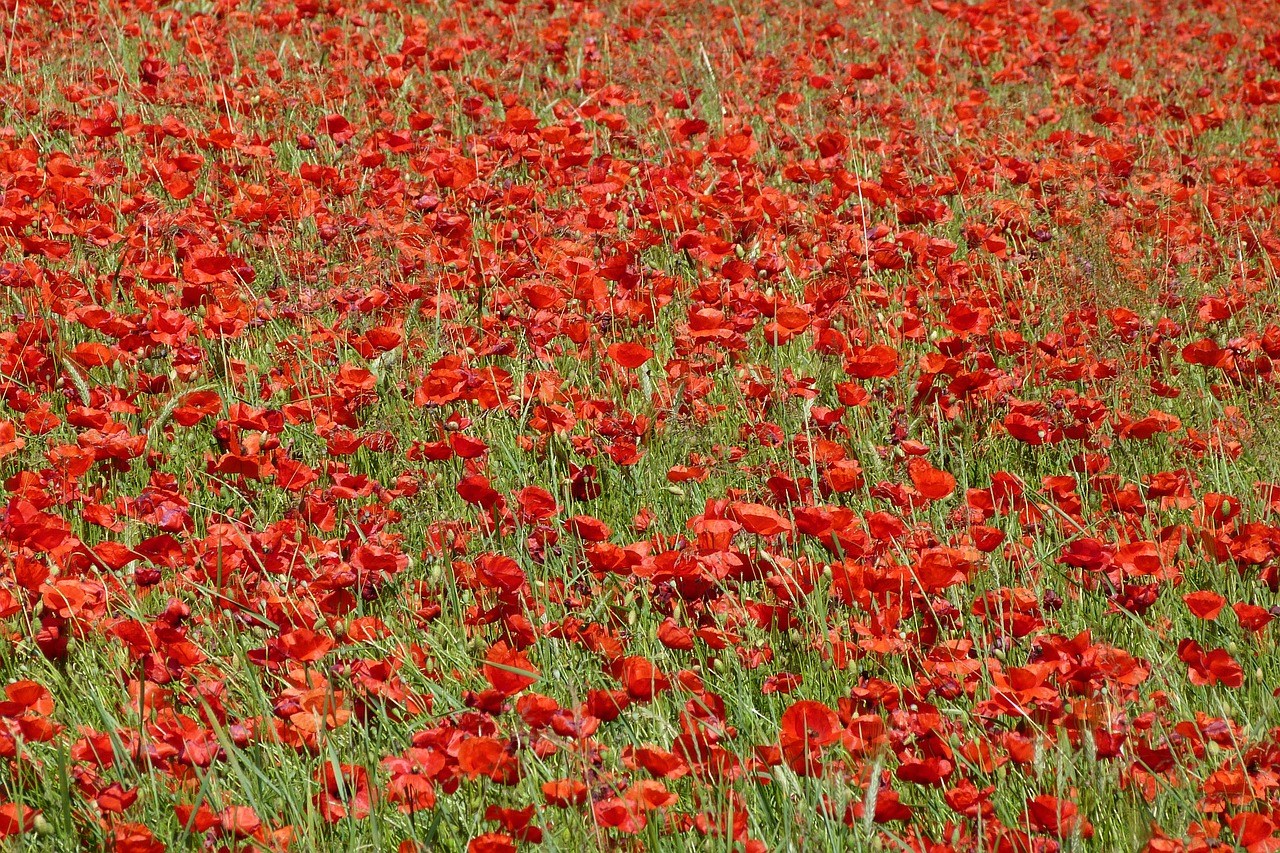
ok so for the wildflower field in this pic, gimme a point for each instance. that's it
(525, 425)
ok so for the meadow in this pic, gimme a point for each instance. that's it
(525, 425)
